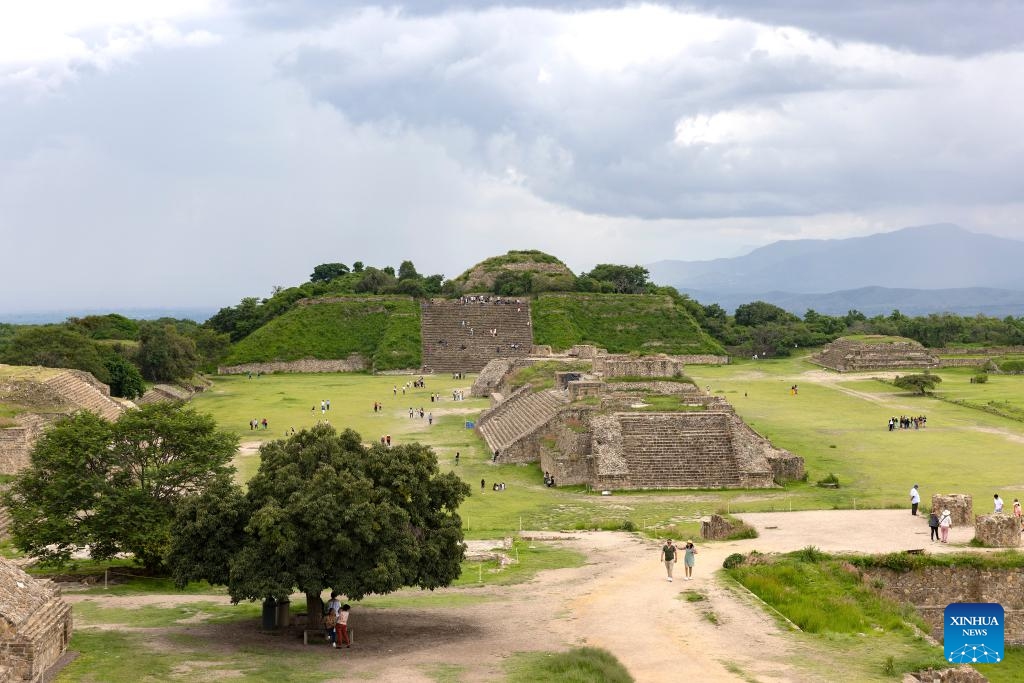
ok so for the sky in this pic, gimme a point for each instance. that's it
(188, 153)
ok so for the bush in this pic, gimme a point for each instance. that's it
(980, 379)
(628, 525)
(809, 554)
(742, 532)
(831, 481)
(734, 560)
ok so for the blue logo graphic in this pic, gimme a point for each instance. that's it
(973, 632)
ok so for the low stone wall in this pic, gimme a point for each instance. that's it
(786, 466)
(354, 363)
(960, 506)
(963, 362)
(930, 589)
(997, 531)
(703, 359)
(583, 351)
(540, 350)
(959, 674)
(612, 366)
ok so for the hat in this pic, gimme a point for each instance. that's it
(689, 540)
(945, 512)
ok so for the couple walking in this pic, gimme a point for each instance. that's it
(670, 555)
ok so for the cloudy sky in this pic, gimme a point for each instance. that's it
(191, 152)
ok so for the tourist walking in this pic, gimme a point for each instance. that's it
(1017, 513)
(945, 522)
(998, 502)
(915, 500)
(669, 555)
(933, 524)
(689, 558)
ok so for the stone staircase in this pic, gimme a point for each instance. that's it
(489, 379)
(85, 391)
(679, 450)
(456, 336)
(522, 414)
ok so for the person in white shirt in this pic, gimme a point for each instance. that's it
(915, 500)
(998, 503)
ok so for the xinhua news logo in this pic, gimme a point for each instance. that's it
(973, 633)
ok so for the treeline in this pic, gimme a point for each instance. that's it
(118, 351)
(768, 330)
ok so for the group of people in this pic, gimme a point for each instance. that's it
(458, 395)
(549, 479)
(670, 555)
(487, 299)
(386, 441)
(325, 405)
(941, 523)
(256, 424)
(904, 422)
(335, 622)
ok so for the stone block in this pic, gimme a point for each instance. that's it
(716, 528)
(997, 531)
(960, 506)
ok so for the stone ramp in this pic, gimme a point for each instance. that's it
(679, 450)
(83, 390)
(457, 337)
(489, 379)
(522, 414)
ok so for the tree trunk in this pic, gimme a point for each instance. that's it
(314, 609)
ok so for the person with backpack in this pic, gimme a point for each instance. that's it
(330, 622)
(933, 524)
(333, 605)
(669, 555)
(341, 625)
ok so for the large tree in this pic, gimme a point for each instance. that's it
(55, 346)
(165, 354)
(325, 511)
(326, 272)
(624, 279)
(112, 487)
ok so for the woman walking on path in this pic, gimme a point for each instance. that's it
(933, 524)
(689, 553)
(945, 522)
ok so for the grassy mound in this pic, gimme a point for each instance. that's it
(621, 323)
(543, 270)
(384, 329)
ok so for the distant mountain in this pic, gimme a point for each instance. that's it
(929, 257)
(873, 301)
(58, 316)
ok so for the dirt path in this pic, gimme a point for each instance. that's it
(619, 600)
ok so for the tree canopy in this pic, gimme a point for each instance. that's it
(918, 383)
(112, 487)
(326, 272)
(325, 511)
(165, 354)
(624, 279)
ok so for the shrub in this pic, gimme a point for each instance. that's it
(831, 481)
(981, 379)
(742, 532)
(809, 554)
(734, 560)
(628, 525)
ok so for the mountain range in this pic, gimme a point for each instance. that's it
(923, 269)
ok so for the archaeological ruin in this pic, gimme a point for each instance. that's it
(35, 625)
(463, 335)
(642, 425)
(40, 396)
(872, 352)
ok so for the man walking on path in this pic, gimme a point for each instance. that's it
(915, 500)
(669, 555)
(998, 503)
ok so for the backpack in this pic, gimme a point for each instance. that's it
(933, 520)
(330, 620)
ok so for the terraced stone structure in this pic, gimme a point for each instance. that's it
(875, 353)
(39, 396)
(631, 366)
(35, 625)
(633, 435)
(461, 335)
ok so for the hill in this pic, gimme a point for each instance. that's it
(385, 329)
(926, 257)
(873, 301)
(621, 323)
(543, 272)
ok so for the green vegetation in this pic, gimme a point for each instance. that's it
(1003, 559)
(541, 375)
(579, 665)
(920, 383)
(386, 330)
(651, 323)
(667, 403)
(530, 558)
(822, 595)
(680, 379)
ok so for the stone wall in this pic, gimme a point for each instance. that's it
(930, 589)
(489, 379)
(959, 674)
(456, 335)
(960, 506)
(354, 363)
(850, 355)
(160, 393)
(703, 359)
(963, 362)
(16, 442)
(540, 350)
(997, 531)
(583, 351)
(628, 366)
